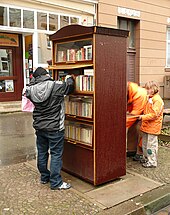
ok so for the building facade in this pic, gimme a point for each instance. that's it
(25, 27)
(148, 48)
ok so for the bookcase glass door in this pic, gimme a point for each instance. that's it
(77, 132)
(80, 50)
(79, 105)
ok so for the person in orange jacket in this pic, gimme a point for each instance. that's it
(151, 124)
(136, 101)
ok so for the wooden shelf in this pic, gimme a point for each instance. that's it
(81, 144)
(83, 92)
(71, 65)
(79, 118)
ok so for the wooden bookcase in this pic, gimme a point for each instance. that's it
(95, 128)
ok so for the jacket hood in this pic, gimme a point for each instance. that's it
(40, 91)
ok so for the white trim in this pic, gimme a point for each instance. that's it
(60, 5)
(23, 49)
(50, 4)
(35, 49)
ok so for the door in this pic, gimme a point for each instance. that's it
(131, 75)
(130, 25)
(11, 70)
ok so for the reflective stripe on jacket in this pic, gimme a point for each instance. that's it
(137, 98)
(153, 115)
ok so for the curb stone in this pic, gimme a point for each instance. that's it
(158, 204)
(153, 201)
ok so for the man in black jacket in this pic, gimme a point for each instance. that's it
(48, 120)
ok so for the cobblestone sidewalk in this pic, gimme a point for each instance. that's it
(161, 173)
(22, 194)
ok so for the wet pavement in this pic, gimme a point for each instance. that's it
(161, 173)
(21, 192)
(17, 139)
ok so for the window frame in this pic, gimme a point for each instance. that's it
(35, 11)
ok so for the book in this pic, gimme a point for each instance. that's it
(89, 72)
(88, 52)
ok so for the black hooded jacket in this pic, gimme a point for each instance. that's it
(48, 97)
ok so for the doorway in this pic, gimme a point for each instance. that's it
(28, 58)
(130, 25)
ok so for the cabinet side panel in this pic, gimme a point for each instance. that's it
(110, 108)
(78, 161)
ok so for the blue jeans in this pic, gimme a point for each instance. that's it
(52, 141)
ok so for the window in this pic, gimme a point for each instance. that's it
(44, 51)
(41, 21)
(15, 17)
(28, 19)
(53, 22)
(168, 48)
(6, 62)
(64, 21)
(127, 24)
(49, 43)
(24, 18)
(74, 20)
(3, 16)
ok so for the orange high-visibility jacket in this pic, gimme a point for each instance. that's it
(137, 98)
(153, 115)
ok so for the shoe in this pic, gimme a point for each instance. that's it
(143, 160)
(137, 157)
(44, 182)
(63, 186)
(148, 165)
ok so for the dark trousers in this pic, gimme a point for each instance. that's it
(53, 142)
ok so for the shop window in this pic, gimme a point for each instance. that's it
(15, 17)
(168, 48)
(64, 21)
(6, 62)
(41, 21)
(53, 22)
(7, 86)
(49, 43)
(2, 86)
(28, 19)
(44, 51)
(127, 24)
(74, 20)
(3, 16)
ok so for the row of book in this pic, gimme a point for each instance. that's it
(85, 83)
(78, 106)
(78, 132)
(84, 53)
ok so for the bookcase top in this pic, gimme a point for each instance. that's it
(71, 31)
